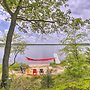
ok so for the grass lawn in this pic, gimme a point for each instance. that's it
(0, 70)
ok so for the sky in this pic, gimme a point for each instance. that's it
(79, 8)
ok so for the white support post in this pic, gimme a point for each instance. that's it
(57, 61)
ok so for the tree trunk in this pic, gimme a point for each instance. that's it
(14, 59)
(5, 63)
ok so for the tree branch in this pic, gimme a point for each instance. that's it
(24, 30)
(37, 20)
(25, 7)
(15, 58)
(7, 8)
(18, 7)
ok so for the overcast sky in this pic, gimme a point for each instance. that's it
(80, 8)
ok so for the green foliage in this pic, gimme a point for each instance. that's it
(80, 85)
(39, 13)
(15, 67)
(17, 38)
(77, 23)
(47, 81)
(75, 61)
(2, 89)
(15, 49)
(53, 64)
(65, 82)
(88, 55)
(60, 82)
(24, 65)
(76, 68)
(75, 85)
(36, 12)
(12, 4)
(63, 63)
(25, 83)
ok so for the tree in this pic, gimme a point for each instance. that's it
(19, 49)
(74, 35)
(75, 59)
(15, 49)
(47, 80)
(88, 55)
(41, 16)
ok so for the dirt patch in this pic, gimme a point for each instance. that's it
(29, 72)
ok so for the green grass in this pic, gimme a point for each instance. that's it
(0, 70)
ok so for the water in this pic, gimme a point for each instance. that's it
(39, 51)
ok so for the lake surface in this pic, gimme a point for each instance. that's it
(37, 51)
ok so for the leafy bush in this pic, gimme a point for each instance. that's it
(53, 64)
(80, 84)
(15, 67)
(25, 83)
(24, 65)
(76, 68)
(60, 82)
(47, 81)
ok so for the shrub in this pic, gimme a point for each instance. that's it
(15, 67)
(25, 83)
(47, 81)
